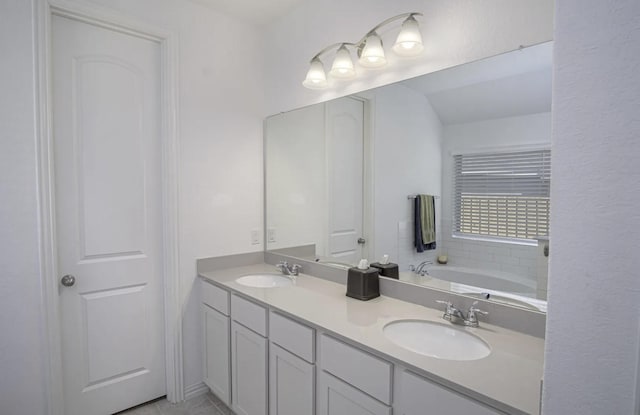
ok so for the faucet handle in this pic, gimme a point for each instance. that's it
(472, 315)
(451, 313)
(449, 308)
(295, 269)
(473, 309)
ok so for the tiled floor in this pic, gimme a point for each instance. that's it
(201, 405)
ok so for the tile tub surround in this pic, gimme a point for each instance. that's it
(508, 379)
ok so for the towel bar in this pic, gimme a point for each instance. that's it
(414, 196)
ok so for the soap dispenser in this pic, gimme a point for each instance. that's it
(386, 268)
(363, 282)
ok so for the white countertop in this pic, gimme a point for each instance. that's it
(509, 376)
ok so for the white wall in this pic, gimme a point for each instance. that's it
(592, 348)
(296, 173)
(454, 32)
(489, 135)
(220, 133)
(21, 318)
(407, 136)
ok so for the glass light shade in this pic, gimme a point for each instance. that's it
(316, 78)
(342, 67)
(373, 54)
(409, 41)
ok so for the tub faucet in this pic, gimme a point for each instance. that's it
(421, 269)
(292, 270)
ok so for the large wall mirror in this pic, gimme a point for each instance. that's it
(342, 178)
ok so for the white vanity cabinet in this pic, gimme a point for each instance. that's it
(420, 396)
(291, 367)
(217, 358)
(249, 357)
(264, 361)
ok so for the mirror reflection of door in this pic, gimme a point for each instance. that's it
(345, 180)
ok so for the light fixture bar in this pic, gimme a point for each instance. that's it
(391, 20)
(408, 43)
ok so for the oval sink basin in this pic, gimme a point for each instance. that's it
(436, 340)
(265, 280)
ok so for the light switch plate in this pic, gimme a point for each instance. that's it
(271, 235)
(255, 237)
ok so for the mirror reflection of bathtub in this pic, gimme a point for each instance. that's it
(497, 286)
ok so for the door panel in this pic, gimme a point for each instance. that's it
(217, 355)
(248, 371)
(106, 135)
(340, 398)
(103, 314)
(291, 383)
(108, 125)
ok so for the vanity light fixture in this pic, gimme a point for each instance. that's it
(372, 55)
(370, 51)
(342, 64)
(409, 41)
(316, 78)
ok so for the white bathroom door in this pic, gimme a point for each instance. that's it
(345, 156)
(106, 135)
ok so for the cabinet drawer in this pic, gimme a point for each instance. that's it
(419, 393)
(360, 369)
(215, 297)
(292, 336)
(250, 315)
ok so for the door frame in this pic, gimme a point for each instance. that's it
(43, 11)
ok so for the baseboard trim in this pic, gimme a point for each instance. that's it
(194, 390)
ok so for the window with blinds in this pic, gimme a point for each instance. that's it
(502, 196)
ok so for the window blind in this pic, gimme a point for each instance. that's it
(502, 196)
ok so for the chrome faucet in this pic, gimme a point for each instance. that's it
(292, 270)
(456, 316)
(421, 269)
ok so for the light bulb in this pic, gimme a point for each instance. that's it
(342, 67)
(409, 41)
(373, 54)
(316, 78)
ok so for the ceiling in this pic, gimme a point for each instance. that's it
(508, 85)
(523, 94)
(259, 12)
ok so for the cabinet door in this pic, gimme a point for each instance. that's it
(420, 396)
(339, 398)
(248, 371)
(217, 359)
(291, 385)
